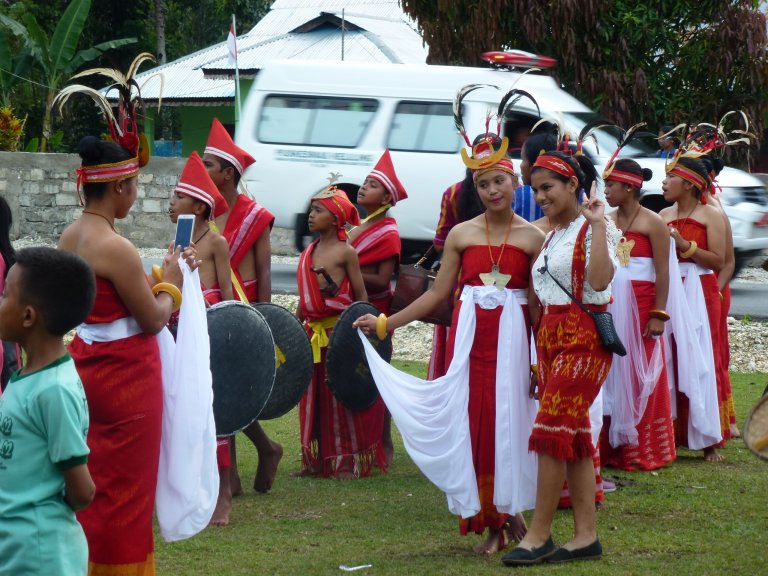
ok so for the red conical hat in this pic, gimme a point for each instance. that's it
(195, 182)
(220, 144)
(384, 172)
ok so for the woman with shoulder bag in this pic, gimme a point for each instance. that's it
(573, 362)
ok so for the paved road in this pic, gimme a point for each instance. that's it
(749, 298)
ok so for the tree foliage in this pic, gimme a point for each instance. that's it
(632, 60)
(191, 26)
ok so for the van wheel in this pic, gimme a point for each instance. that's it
(654, 202)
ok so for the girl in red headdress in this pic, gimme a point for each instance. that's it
(579, 254)
(638, 433)
(698, 231)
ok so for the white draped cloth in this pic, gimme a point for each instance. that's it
(632, 378)
(695, 375)
(432, 416)
(188, 476)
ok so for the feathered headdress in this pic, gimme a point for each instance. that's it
(124, 129)
(484, 154)
(626, 136)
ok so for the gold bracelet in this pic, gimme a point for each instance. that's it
(662, 315)
(691, 250)
(381, 326)
(535, 369)
(170, 289)
(157, 273)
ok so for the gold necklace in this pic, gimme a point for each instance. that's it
(624, 248)
(107, 220)
(495, 277)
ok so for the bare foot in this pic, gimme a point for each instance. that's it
(495, 542)
(712, 455)
(224, 503)
(305, 472)
(735, 433)
(516, 528)
(267, 468)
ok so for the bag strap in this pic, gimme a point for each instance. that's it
(577, 272)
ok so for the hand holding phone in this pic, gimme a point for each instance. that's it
(185, 223)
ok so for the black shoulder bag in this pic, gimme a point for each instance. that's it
(603, 321)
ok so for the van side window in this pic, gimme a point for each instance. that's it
(314, 120)
(424, 127)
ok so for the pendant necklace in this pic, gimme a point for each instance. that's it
(202, 235)
(107, 220)
(495, 277)
(624, 248)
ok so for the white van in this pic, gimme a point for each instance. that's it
(303, 120)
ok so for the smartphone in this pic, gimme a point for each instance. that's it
(185, 223)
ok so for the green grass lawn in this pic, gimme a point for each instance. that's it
(689, 518)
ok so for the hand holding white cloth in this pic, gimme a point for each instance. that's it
(188, 476)
(433, 418)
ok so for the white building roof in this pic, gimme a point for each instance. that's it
(374, 31)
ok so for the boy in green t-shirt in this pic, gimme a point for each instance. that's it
(44, 477)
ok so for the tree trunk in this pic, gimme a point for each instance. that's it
(161, 10)
(47, 118)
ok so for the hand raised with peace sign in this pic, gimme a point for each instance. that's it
(592, 207)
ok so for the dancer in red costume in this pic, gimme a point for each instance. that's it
(572, 363)
(117, 357)
(699, 234)
(638, 433)
(245, 226)
(196, 194)
(335, 442)
(491, 255)
(377, 243)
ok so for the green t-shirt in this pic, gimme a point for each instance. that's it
(43, 427)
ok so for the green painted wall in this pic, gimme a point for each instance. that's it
(196, 123)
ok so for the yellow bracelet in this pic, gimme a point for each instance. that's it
(381, 326)
(535, 369)
(170, 289)
(157, 273)
(691, 250)
(659, 314)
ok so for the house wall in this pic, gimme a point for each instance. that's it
(42, 193)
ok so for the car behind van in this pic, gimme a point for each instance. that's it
(304, 120)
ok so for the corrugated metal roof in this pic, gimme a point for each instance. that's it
(385, 34)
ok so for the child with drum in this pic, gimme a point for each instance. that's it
(377, 243)
(335, 441)
(197, 195)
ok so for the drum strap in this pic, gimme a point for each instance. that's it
(319, 338)
(238, 288)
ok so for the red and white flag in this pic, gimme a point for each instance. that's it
(232, 44)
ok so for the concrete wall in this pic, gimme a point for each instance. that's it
(41, 191)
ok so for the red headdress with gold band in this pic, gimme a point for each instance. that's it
(485, 156)
(124, 129)
(337, 203)
(674, 168)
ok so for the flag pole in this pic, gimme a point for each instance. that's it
(238, 107)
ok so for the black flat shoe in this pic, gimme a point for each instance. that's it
(592, 552)
(522, 557)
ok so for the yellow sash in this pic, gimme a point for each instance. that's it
(319, 338)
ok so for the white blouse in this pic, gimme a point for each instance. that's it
(559, 251)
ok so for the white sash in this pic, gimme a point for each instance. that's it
(432, 416)
(188, 476)
(632, 378)
(109, 331)
(695, 375)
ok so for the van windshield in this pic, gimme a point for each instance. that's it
(607, 138)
